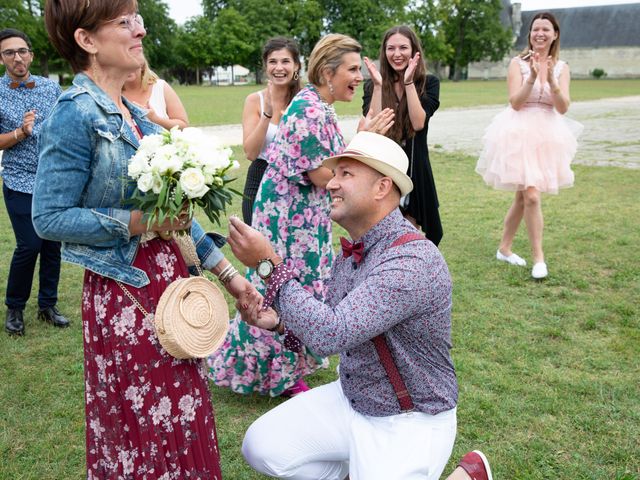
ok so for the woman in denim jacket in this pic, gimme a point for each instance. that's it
(147, 414)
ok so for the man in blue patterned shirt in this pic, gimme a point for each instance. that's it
(25, 102)
(392, 413)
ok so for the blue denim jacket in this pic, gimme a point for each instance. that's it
(81, 185)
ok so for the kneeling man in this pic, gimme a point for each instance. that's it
(392, 413)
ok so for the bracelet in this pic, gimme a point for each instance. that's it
(15, 134)
(556, 90)
(276, 327)
(229, 277)
(269, 116)
(227, 274)
(225, 270)
(408, 83)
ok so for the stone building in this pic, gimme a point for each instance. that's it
(605, 37)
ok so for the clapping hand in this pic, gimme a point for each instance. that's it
(411, 68)
(152, 116)
(380, 123)
(534, 65)
(28, 120)
(375, 75)
(551, 65)
(268, 107)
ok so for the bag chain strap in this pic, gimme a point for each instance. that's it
(194, 258)
(132, 298)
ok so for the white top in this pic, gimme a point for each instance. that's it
(156, 100)
(272, 129)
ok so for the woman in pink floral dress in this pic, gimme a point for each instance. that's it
(292, 210)
(148, 415)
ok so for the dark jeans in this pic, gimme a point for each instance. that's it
(28, 246)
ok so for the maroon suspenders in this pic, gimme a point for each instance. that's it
(384, 353)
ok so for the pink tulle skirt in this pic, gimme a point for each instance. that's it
(531, 147)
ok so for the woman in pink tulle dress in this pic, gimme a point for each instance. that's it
(528, 148)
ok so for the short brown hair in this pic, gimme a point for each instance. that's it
(63, 17)
(327, 55)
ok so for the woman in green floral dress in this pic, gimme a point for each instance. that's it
(292, 209)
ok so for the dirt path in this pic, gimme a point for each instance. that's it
(610, 135)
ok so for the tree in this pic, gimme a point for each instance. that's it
(305, 22)
(194, 49)
(267, 19)
(473, 30)
(364, 20)
(28, 16)
(211, 8)
(160, 41)
(428, 23)
(231, 39)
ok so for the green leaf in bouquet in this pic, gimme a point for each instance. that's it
(161, 214)
(162, 195)
(178, 196)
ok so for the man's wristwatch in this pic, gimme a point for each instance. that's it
(265, 268)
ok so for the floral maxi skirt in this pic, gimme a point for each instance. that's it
(148, 415)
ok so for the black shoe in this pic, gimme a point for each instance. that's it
(53, 316)
(14, 324)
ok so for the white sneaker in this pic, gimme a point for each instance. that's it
(539, 270)
(513, 259)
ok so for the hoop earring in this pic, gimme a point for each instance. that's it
(331, 90)
(295, 75)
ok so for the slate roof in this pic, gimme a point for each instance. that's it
(592, 27)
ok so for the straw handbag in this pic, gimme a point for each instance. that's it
(192, 317)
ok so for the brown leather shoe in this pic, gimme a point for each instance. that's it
(14, 324)
(53, 316)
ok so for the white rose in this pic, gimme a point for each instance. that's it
(150, 143)
(166, 160)
(138, 165)
(192, 136)
(192, 183)
(145, 182)
(216, 160)
(157, 184)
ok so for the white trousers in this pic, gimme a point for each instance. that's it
(317, 435)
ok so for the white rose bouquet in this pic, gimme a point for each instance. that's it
(176, 170)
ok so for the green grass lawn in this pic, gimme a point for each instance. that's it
(223, 105)
(548, 371)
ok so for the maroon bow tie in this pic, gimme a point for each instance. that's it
(355, 249)
(13, 85)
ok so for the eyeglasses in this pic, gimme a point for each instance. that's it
(130, 22)
(23, 52)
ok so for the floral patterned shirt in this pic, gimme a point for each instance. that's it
(402, 291)
(19, 163)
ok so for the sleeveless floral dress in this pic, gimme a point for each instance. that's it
(294, 215)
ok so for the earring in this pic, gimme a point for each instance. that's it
(295, 75)
(331, 90)
(94, 68)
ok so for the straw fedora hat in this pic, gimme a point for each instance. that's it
(380, 153)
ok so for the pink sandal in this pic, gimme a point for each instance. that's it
(296, 389)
